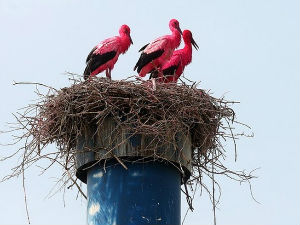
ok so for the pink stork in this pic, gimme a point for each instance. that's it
(158, 51)
(106, 53)
(172, 69)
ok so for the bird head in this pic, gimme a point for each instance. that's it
(174, 24)
(125, 30)
(188, 38)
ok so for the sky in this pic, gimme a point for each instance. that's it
(249, 52)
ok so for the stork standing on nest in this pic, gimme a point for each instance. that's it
(158, 51)
(106, 53)
(171, 70)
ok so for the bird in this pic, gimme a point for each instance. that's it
(158, 51)
(171, 70)
(104, 55)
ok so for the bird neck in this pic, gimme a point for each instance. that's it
(176, 38)
(125, 43)
(187, 51)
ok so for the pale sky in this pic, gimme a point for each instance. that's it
(249, 51)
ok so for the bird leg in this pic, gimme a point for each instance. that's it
(109, 70)
(174, 78)
(153, 80)
(108, 73)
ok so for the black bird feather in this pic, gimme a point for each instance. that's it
(147, 58)
(96, 60)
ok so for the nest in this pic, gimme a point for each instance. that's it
(162, 113)
(60, 117)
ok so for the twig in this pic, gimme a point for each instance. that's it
(35, 83)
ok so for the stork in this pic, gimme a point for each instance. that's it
(106, 53)
(158, 51)
(171, 70)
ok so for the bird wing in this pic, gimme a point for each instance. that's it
(90, 54)
(147, 58)
(170, 70)
(96, 61)
(170, 67)
(142, 48)
(158, 44)
(101, 54)
(151, 52)
(108, 45)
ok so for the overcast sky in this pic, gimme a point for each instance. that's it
(249, 51)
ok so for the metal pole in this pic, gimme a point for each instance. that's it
(146, 193)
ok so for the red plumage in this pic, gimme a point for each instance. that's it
(106, 53)
(158, 51)
(172, 69)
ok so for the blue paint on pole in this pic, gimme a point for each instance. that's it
(146, 193)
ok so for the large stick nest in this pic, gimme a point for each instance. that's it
(60, 116)
(160, 113)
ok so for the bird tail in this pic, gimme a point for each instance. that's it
(87, 72)
(136, 66)
(139, 65)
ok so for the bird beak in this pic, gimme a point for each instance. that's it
(178, 28)
(130, 39)
(194, 44)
